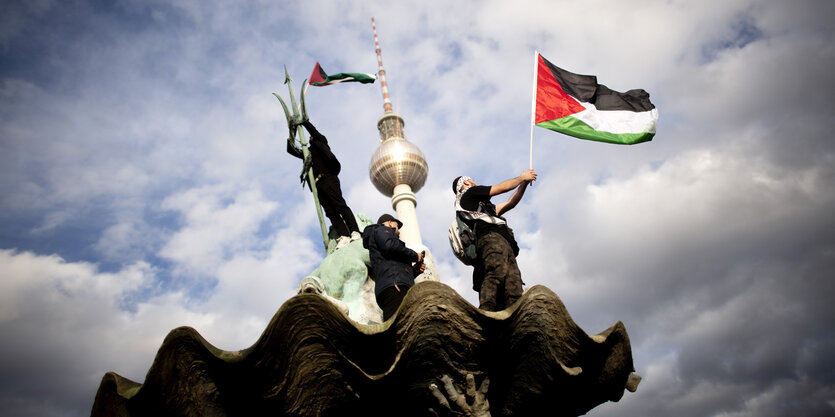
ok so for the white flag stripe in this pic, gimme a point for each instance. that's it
(618, 121)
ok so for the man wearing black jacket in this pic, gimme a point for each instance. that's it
(391, 263)
(325, 169)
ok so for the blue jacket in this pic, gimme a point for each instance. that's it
(391, 260)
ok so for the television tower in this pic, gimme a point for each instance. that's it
(398, 169)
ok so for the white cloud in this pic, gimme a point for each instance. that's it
(66, 324)
(63, 327)
(218, 221)
(253, 285)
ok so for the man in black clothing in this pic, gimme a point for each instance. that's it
(325, 170)
(391, 263)
(496, 275)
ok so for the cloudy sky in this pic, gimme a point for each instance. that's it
(144, 183)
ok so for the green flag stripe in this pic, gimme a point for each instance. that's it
(361, 77)
(347, 77)
(575, 127)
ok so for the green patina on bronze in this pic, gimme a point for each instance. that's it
(344, 271)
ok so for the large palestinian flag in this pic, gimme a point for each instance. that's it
(319, 78)
(578, 106)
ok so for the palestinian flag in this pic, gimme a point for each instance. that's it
(578, 106)
(320, 79)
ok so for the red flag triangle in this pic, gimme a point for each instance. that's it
(551, 101)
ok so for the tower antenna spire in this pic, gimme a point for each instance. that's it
(386, 100)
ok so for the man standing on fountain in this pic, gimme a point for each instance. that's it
(496, 275)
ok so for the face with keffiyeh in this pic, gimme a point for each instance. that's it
(463, 183)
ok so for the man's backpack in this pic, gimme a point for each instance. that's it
(462, 240)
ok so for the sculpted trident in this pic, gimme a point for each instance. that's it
(294, 122)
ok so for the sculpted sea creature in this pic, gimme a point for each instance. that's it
(312, 360)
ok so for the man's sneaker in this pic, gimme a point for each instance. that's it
(342, 241)
(356, 235)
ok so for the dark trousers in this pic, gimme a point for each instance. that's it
(389, 300)
(330, 197)
(501, 281)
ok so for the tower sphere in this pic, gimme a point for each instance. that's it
(397, 161)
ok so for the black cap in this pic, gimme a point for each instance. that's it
(389, 218)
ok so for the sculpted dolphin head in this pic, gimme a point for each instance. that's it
(311, 285)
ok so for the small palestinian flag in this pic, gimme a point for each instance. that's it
(578, 106)
(320, 79)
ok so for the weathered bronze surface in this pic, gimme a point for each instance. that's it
(314, 361)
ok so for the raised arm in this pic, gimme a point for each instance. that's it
(507, 185)
(314, 133)
(393, 248)
(513, 200)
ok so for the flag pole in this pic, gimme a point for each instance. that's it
(304, 92)
(533, 101)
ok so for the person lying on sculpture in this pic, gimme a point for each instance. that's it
(391, 263)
